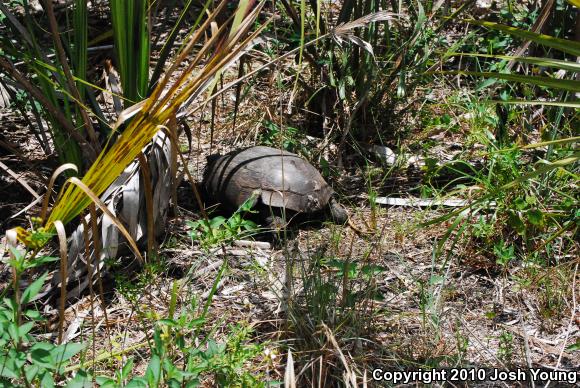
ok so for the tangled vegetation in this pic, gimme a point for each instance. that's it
(448, 130)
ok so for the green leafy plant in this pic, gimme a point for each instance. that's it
(220, 229)
(510, 202)
(184, 349)
(528, 205)
(288, 138)
(504, 253)
(227, 360)
(176, 361)
(25, 361)
(506, 347)
(566, 46)
(351, 76)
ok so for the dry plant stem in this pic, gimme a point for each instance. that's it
(310, 56)
(237, 93)
(98, 202)
(23, 32)
(13, 149)
(212, 120)
(334, 343)
(211, 67)
(320, 367)
(348, 126)
(526, 342)
(572, 316)
(19, 180)
(250, 74)
(97, 249)
(40, 135)
(148, 203)
(191, 180)
(55, 112)
(63, 275)
(182, 56)
(55, 174)
(537, 27)
(345, 274)
(289, 374)
(68, 74)
(91, 291)
(172, 126)
(109, 355)
(12, 242)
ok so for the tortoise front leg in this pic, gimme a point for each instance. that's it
(337, 212)
(272, 221)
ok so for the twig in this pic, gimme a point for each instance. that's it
(537, 28)
(417, 202)
(20, 180)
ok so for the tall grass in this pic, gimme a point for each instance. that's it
(58, 80)
(523, 198)
(358, 78)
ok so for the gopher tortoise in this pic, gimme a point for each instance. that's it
(282, 184)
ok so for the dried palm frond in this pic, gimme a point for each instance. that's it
(5, 99)
(117, 177)
(155, 112)
(125, 199)
(289, 375)
(345, 31)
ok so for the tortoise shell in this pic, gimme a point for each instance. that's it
(280, 178)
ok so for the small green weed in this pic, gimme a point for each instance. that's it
(176, 363)
(504, 253)
(220, 229)
(25, 361)
(229, 360)
(506, 347)
(184, 353)
(287, 138)
(518, 202)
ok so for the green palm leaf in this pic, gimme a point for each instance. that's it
(155, 112)
(564, 84)
(564, 45)
(544, 62)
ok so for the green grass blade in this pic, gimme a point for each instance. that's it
(80, 57)
(243, 7)
(131, 36)
(143, 54)
(544, 62)
(568, 140)
(542, 169)
(524, 178)
(563, 84)
(568, 46)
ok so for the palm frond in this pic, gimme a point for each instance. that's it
(156, 111)
(564, 45)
